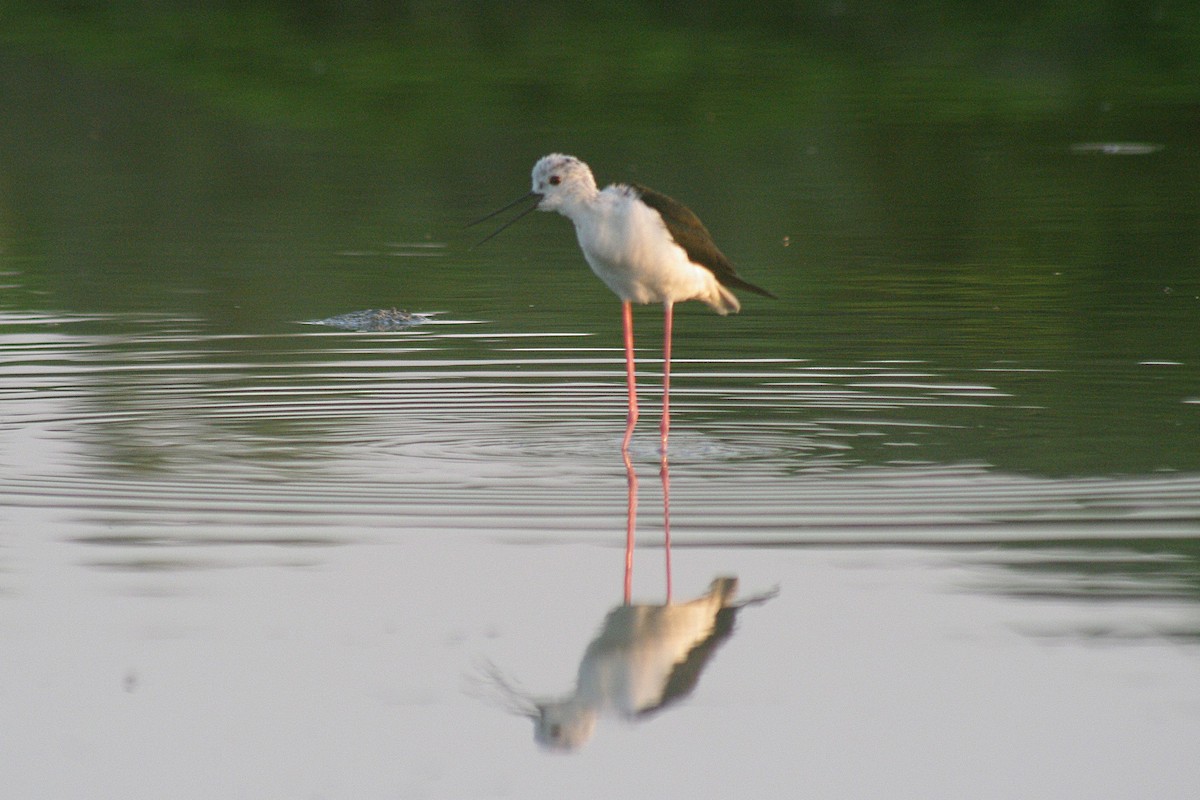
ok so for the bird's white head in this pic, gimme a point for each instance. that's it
(564, 725)
(562, 181)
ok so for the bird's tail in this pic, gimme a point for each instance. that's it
(738, 282)
(724, 587)
(722, 301)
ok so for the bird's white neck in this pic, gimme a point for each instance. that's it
(575, 204)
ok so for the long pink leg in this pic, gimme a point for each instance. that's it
(668, 314)
(627, 326)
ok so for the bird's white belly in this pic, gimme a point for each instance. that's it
(630, 250)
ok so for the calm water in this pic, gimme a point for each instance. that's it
(243, 556)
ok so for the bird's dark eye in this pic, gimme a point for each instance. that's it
(555, 180)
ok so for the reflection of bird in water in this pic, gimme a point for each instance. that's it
(644, 658)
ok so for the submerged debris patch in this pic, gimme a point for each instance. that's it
(374, 319)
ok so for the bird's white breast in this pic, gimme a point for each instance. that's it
(627, 245)
(627, 667)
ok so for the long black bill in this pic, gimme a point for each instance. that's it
(517, 202)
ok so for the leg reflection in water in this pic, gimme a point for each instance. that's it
(664, 472)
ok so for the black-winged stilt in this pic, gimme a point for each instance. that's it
(645, 246)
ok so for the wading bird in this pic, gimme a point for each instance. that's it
(646, 247)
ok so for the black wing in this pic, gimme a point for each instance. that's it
(689, 233)
(686, 675)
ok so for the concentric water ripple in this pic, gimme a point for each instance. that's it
(161, 432)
